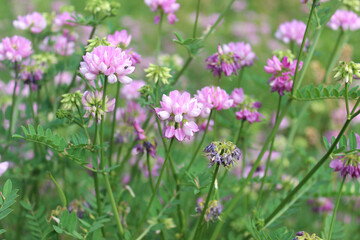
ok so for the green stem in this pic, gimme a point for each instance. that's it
(32, 105)
(113, 124)
(269, 158)
(155, 190)
(180, 73)
(201, 142)
(336, 208)
(309, 174)
(150, 173)
(82, 122)
(238, 195)
(241, 74)
(347, 100)
(78, 66)
(303, 45)
(13, 101)
(341, 40)
(206, 201)
(242, 123)
(196, 18)
(355, 106)
(158, 44)
(102, 162)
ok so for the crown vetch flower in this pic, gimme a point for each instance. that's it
(92, 102)
(63, 19)
(306, 236)
(321, 204)
(155, 72)
(237, 95)
(230, 58)
(291, 31)
(212, 212)
(178, 108)
(213, 98)
(15, 48)
(347, 71)
(282, 71)
(131, 90)
(168, 6)
(346, 20)
(119, 39)
(223, 153)
(108, 60)
(33, 21)
(248, 108)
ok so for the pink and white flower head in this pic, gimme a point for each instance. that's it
(92, 102)
(346, 20)
(178, 108)
(3, 167)
(213, 98)
(63, 78)
(107, 60)
(237, 95)
(62, 19)
(35, 22)
(119, 39)
(133, 112)
(249, 112)
(8, 89)
(63, 44)
(139, 131)
(15, 48)
(321, 204)
(230, 58)
(291, 31)
(168, 6)
(131, 90)
(282, 71)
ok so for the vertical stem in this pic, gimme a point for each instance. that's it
(241, 74)
(196, 18)
(206, 201)
(201, 142)
(239, 132)
(155, 190)
(347, 100)
(113, 124)
(335, 54)
(102, 162)
(158, 44)
(32, 105)
(336, 208)
(149, 169)
(13, 101)
(303, 44)
(269, 158)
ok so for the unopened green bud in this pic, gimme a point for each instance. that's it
(346, 71)
(145, 91)
(61, 113)
(95, 42)
(102, 7)
(156, 73)
(70, 100)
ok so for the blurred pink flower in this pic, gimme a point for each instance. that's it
(15, 48)
(33, 21)
(131, 90)
(346, 20)
(168, 6)
(119, 39)
(291, 31)
(62, 19)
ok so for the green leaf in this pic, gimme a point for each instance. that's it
(326, 143)
(352, 141)
(60, 191)
(7, 188)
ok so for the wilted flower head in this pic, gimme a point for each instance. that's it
(321, 204)
(282, 71)
(248, 110)
(110, 61)
(346, 20)
(15, 48)
(213, 98)
(155, 72)
(223, 153)
(306, 236)
(213, 210)
(168, 6)
(230, 58)
(346, 71)
(93, 104)
(131, 90)
(178, 108)
(119, 39)
(69, 101)
(291, 31)
(33, 21)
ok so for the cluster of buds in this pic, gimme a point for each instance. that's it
(95, 42)
(223, 153)
(93, 104)
(69, 101)
(346, 71)
(306, 236)
(347, 165)
(213, 210)
(156, 73)
(102, 7)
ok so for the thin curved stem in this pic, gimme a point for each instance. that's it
(336, 208)
(206, 201)
(155, 190)
(196, 18)
(200, 144)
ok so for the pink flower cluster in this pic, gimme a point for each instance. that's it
(63, 44)
(291, 31)
(61, 20)
(347, 20)
(282, 71)
(15, 48)
(122, 39)
(33, 21)
(131, 90)
(178, 108)
(93, 104)
(168, 6)
(321, 204)
(247, 107)
(213, 98)
(108, 60)
(230, 58)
